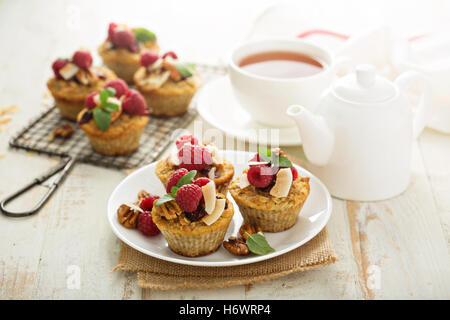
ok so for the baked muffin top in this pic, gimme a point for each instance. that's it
(74, 78)
(76, 91)
(113, 111)
(166, 74)
(260, 199)
(118, 127)
(170, 216)
(204, 157)
(271, 182)
(124, 44)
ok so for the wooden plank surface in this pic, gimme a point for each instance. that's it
(397, 248)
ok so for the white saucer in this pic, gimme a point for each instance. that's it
(216, 104)
(312, 219)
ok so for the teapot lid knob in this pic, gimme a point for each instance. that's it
(364, 86)
(365, 75)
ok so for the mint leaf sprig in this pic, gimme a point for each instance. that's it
(144, 35)
(185, 69)
(102, 112)
(257, 243)
(186, 179)
(277, 160)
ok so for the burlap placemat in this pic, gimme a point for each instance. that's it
(159, 274)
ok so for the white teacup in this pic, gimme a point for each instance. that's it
(266, 98)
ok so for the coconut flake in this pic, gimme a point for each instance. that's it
(68, 71)
(134, 207)
(112, 100)
(243, 181)
(209, 195)
(282, 184)
(212, 173)
(216, 157)
(174, 159)
(218, 210)
(257, 163)
(108, 45)
(155, 65)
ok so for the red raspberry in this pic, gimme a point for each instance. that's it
(260, 176)
(173, 180)
(171, 54)
(148, 58)
(146, 224)
(119, 85)
(188, 197)
(147, 203)
(83, 59)
(134, 103)
(294, 173)
(90, 102)
(255, 158)
(194, 157)
(134, 47)
(123, 39)
(201, 181)
(58, 65)
(111, 28)
(186, 139)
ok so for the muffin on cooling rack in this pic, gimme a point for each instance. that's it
(192, 217)
(114, 119)
(167, 84)
(121, 50)
(74, 79)
(204, 158)
(270, 193)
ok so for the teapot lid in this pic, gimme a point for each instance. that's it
(364, 86)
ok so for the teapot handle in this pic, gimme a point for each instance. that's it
(423, 111)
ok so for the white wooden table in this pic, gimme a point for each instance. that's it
(390, 249)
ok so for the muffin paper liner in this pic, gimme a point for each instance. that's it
(194, 245)
(123, 144)
(271, 220)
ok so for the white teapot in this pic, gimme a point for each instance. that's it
(359, 138)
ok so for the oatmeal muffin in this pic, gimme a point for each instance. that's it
(270, 194)
(204, 158)
(193, 218)
(121, 50)
(114, 119)
(74, 79)
(167, 85)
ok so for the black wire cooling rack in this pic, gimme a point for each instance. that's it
(37, 137)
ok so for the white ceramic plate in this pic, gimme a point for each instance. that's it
(217, 106)
(313, 218)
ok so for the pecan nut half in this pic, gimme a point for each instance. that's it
(63, 131)
(127, 216)
(174, 74)
(142, 194)
(236, 246)
(247, 229)
(85, 76)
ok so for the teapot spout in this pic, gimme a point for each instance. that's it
(317, 137)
